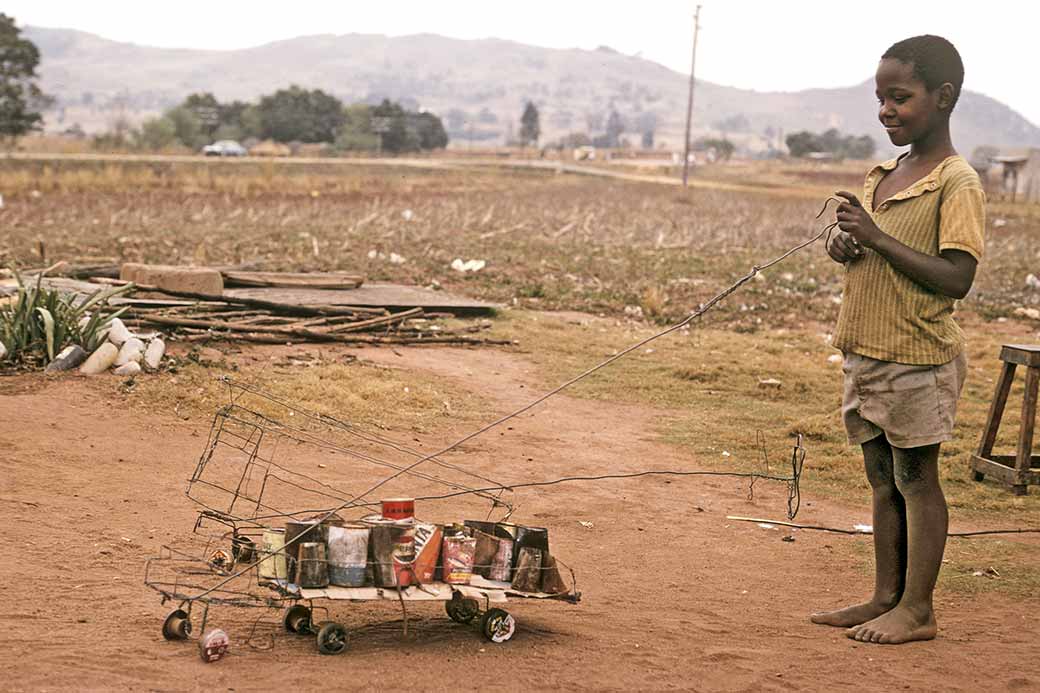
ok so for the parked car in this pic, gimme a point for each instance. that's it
(224, 148)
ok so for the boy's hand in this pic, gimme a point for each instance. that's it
(844, 248)
(854, 220)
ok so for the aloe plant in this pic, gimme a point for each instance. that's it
(41, 321)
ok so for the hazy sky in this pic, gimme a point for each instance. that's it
(764, 45)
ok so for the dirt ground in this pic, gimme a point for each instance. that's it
(674, 595)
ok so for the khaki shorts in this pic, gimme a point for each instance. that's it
(911, 405)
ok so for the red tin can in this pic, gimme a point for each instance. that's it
(398, 508)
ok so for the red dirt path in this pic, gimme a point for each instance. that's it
(673, 598)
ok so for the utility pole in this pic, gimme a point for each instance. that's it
(689, 102)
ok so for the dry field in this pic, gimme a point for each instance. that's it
(584, 267)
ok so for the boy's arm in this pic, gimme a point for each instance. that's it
(950, 274)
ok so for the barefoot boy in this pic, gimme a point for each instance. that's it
(910, 249)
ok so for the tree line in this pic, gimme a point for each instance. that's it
(308, 116)
(831, 142)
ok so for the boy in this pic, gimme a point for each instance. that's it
(910, 250)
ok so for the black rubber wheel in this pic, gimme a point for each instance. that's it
(297, 619)
(177, 625)
(977, 476)
(498, 625)
(332, 639)
(462, 610)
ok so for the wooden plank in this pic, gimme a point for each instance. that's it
(311, 280)
(996, 409)
(313, 308)
(390, 296)
(1022, 354)
(1025, 436)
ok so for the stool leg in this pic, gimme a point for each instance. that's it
(996, 413)
(1025, 437)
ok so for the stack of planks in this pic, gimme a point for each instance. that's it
(205, 317)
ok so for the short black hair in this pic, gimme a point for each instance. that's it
(934, 59)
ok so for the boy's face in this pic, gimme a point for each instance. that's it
(907, 109)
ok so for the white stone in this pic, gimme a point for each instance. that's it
(118, 332)
(101, 360)
(3, 350)
(132, 350)
(834, 358)
(154, 353)
(131, 368)
(1031, 313)
(1033, 281)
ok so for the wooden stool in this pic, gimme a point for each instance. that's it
(1022, 469)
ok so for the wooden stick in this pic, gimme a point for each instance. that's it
(376, 322)
(311, 310)
(348, 339)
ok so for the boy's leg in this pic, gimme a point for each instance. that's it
(917, 478)
(889, 541)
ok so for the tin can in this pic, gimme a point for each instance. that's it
(457, 553)
(272, 548)
(213, 645)
(307, 531)
(398, 508)
(502, 564)
(313, 569)
(528, 575)
(348, 555)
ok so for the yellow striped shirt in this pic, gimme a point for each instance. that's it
(888, 316)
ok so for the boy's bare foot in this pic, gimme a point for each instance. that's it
(899, 625)
(851, 615)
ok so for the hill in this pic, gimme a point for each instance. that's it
(478, 87)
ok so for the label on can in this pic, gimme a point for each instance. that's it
(213, 645)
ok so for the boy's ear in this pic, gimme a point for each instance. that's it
(945, 96)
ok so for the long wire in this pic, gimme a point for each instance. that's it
(701, 310)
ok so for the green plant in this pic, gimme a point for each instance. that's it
(41, 321)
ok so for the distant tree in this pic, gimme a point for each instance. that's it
(615, 126)
(356, 133)
(431, 131)
(802, 143)
(206, 109)
(861, 147)
(297, 114)
(396, 135)
(723, 148)
(157, 133)
(646, 123)
(188, 127)
(20, 97)
(530, 130)
(832, 142)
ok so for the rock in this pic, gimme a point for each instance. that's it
(154, 353)
(132, 350)
(1033, 281)
(101, 360)
(199, 280)
(834, 358)
(129, 368)
(1031, 313)
(118, 332)
(70, 357)
(770, 383)
(3, 350)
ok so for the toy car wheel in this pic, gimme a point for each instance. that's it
(462, 610)
(332, 639)
(498, 625)
(297, 619)
(177, 625)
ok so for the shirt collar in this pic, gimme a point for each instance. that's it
(927, 183)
